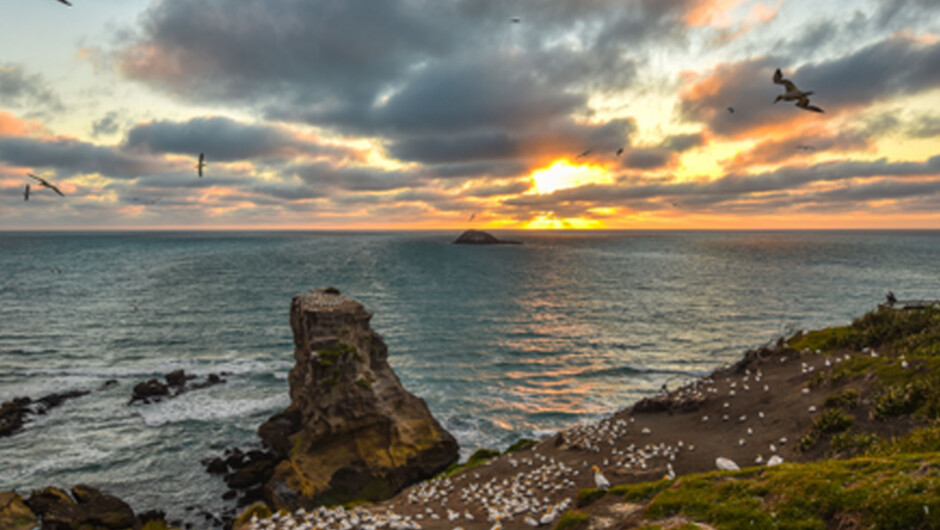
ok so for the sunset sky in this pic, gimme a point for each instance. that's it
(420, 114)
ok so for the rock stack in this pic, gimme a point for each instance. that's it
(352, 431)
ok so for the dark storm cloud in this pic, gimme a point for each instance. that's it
(895, 66)
(552, 138)
(19, 89)
(321, 174)
(70, 157)
(649, 158)
(905, 11)
(440, 81)
(683, 142)
(222, 139)
(492, 190)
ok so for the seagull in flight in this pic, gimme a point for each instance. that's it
(201, 164)
(793, 93)
(26, 193)
(45, 183)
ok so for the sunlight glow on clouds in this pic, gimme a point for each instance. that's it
(427, 113)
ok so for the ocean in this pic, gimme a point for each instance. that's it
(502, 342)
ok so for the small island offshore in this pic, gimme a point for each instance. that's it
(833, 428)
(479, 237)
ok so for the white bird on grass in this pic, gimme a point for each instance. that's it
(726, 464)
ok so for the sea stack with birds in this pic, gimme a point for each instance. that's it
(352, 431)
(479, 237)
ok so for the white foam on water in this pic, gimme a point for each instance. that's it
(206, 408)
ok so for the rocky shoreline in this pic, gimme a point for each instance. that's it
(867, 394)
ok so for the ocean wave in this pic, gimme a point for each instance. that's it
(28, 351)
(628, 369)
(206, 408)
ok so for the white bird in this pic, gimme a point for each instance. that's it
(726, 464)
(599, 479)
(774, 461)
(793, 93)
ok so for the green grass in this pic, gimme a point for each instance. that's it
(522, 443)
(847, 399)
(573, 520)
(588, 496)
(641, 492)
(879, 492)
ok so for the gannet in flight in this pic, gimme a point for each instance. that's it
(26, 193)
(620, 151)
(515, 20)
(586, 153)
(201, 164)
(45, 183)
(65, 2)
(793, 93)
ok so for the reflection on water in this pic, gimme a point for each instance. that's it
(502, 342)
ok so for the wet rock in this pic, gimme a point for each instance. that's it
(108, 384)
(176, 378)
(149, 391)
(14, 513)
(14, 414)
(216, 466)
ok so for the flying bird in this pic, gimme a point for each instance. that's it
(806, 148)
(620, 151)
(45, 183)
(473, 216)
(793, 93)
(26, 193)
(586, 153)
(731, 110)
(65, 2)
(201, 164)
(514, 20)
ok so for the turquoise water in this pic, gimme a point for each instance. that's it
(502, 342)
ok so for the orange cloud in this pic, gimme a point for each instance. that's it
(11, 125)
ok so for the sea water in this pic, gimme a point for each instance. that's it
(503, 342)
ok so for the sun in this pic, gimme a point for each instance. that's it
(562, 174)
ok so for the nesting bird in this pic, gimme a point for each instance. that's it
(726, 464)
(599, 479)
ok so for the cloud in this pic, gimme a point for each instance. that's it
(21, 90)
(799, 143)
(107, 124)
(70, 157)
(320, 175)
(225, 139)
(898, 65)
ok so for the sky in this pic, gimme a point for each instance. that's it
(455, 114)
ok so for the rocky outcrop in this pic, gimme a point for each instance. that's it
(352, 431)
(90, 508)
(14, 514)
(152, 391)
(479, 237)
(15, 413)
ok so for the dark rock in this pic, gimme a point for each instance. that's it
(251, 474)
(252, 496)
(229, 495)
(84, 493)
(149, 391)
(217, 466)
(107, 511)
(479, 237)
(176, 378)
(236, 460)
(13, 414)
(153, 515)
(276, 432)
(108, 384)
(40, 501)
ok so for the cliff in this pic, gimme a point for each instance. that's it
(352, 431)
